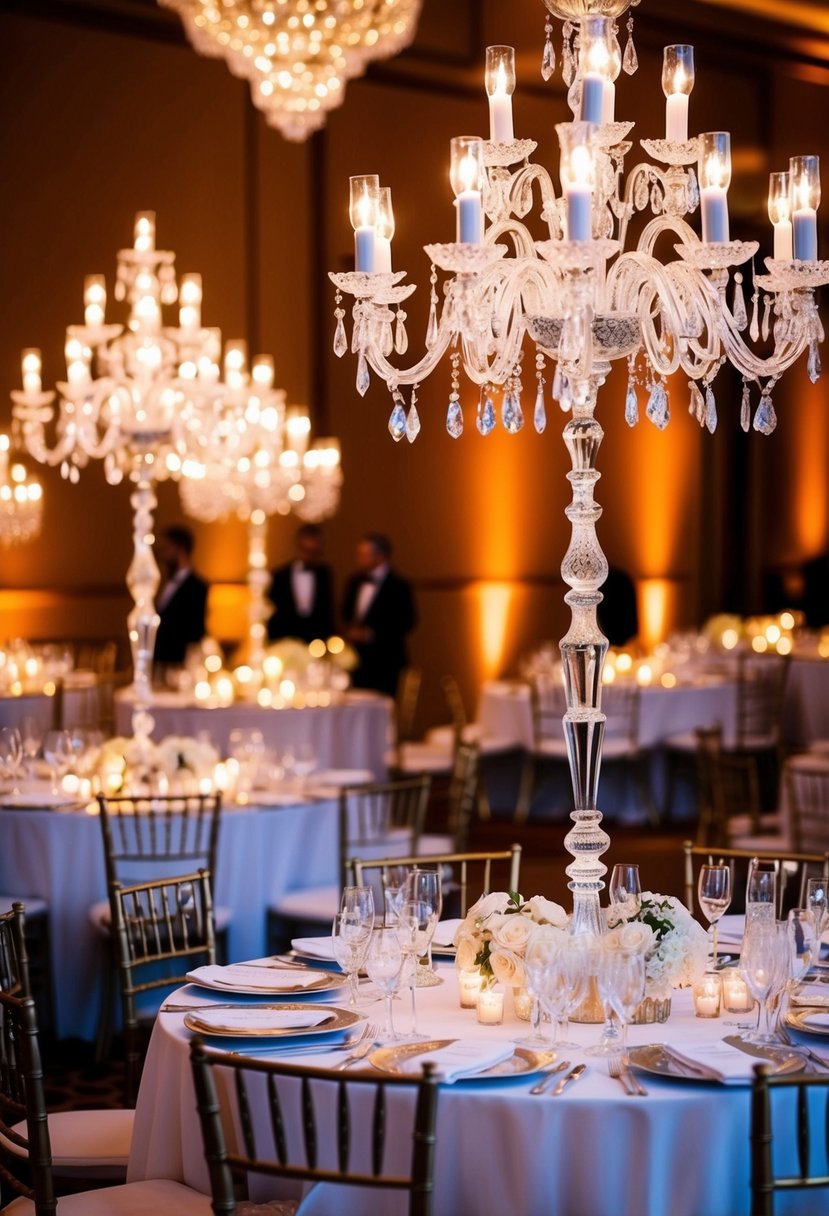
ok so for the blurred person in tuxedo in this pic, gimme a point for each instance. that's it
(816, 591)
(302, 591)
(181, 603)
(618, 614)
(379, 613)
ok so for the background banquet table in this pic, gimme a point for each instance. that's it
(683, 1149)
(806, 701)
(354, 733)
(264, 852)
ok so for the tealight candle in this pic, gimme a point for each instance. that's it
(469, 988)
(707, 993)
(736, 997)
(490, 1007)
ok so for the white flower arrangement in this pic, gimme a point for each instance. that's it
(494, 935)
(179, 754)
(674, 944)
(124, 766)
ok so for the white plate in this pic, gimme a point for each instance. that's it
(314, 947)
(258, 983)
(341, 776)
(289, 1020)
(40, 800)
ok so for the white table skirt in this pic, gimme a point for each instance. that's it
(683, 1150)
(356, 733)
(58, 855)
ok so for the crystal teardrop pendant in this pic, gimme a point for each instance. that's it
(696, 405)
(548, 59)
(540, 412)
(401, 338)
(745, 408)
(710, 410)
(386, 340)
(754, 329)
(432, 327)
(397, 421)
(657, 410)
(765, 420)
(412, 423)
(512, 416)
(486, 418)
(766, 318)
(630, 60)
(568, 66)
(814, 362)
(631, 406)
(340, 338)
(454, 419)
(363, 378)
(738, 310)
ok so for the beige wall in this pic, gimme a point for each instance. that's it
(97, 125)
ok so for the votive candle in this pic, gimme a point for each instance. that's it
(490, 1007)
(469, 988)
(707, 995)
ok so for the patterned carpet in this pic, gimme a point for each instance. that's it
(75, 1082)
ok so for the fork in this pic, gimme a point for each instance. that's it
(362, 1048)
(617, 1068)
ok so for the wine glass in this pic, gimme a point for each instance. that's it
(11, 755)
(804, 942)
(761, 891)
(305, 761)
(714, 898)
(57, 752)
(625, 890)
(539, 957)
(621, 980)
(359, 900)
(394, 885)
(424, 886)
(565, 988)
(764, 964)
(350, 936)
(31, 736)
(415, 926)
(384, 966)
(817, 898)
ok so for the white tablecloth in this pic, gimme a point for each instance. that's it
(683, 1150)
(58, 855)
(356, 733)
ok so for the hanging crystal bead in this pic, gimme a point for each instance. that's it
(657, 410)
(738, 310)
(512, 416)
(754, 329)
(548, 59)
(765, 420)
(631, 405)
(454, 418)
(630, 61)
(696, 405)
(540, 412)
(486, 417)
(766, 317)
(814, 362)
(640, 192)
(568, 66)
(710, 410)
(340, 337)
(745, 408)
(401, 339)
(386, 339)
(657, 199)
(412, 422)
(363, 378)
(432, 327)
(397, 421)
(693, 191)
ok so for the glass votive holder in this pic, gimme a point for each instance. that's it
(469, 988)
(707, 996)
(490, 1007)
(736, 997)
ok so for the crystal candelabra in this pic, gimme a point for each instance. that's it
(252, 460)
(21, 500)
(298, 56)
(134, 414)
(587, 296)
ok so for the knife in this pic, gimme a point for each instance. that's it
(548, 1075)
(572, 1075)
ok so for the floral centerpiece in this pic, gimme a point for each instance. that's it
(675, 946)
(177, 765)
(493, 937)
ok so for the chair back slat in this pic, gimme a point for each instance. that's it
(807, 794)
(463, 792)
(22, 1098)
(620, 705)
(803, 1155)
(318, 1090)
(769, 1162)
(792, 868)
(143, 833)
(761, 683)
(14, 960)
(363, 867)
(277, 1121)
(369, 812)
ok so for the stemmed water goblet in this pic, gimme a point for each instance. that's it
(384, 967)
(31, 736)
(621, 979)
(11, 755)
(817, 898)
(761, 891)
(539, 956)
(58, 753)
(565, 987)
(415, 926)
(714, 898)
(424, 887)
(804, 942)
(764, 963)
(625, 889)
(350, 937)
(394, 885)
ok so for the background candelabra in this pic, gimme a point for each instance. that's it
(249, 457)
(21, 500)
(298, 57)
(586, 296)
(134, 414)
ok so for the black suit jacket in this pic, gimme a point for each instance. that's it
(390, 618)
(182, 620)
(286, 621)
(816, 591)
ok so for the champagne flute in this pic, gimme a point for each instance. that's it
(817, 898)
(350, 936)
(539, 957)
(804, 942)
(384, 966)
(393, 892)
(424, 886)
(761, 891)
(622, 986)
(625, 890)
(714, 898)
(415, 925)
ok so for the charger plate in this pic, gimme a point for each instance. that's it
(258, 985)
(237, 1025)
(811, 1019)
(523, 1062)
(655, 1059)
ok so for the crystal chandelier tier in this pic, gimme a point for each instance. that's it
(250, 458)
(21, 500)
(298, 55)
(670, 302)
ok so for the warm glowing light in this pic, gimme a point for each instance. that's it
(243, 674)
(772, 634)
(335, 645)
(287, 689)
(317, 648)
(608, 674)
(624, 662)
(494, 606)
(786, 620)
(213, 663)
(272, 667)
(759, 644)
(644, 675)
(202, 690)
(729, 639)
(667, 679)
(784, 646)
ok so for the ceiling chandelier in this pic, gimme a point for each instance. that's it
(670, 302)
(298, 55)
(21, 500)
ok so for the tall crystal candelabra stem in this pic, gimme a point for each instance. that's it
(583, 650)
(142, 580)
(259, 607)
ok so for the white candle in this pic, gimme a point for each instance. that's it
(77, 365)
(609, 102)
(592, 98)
(490, 1007)
(736, 996)
(469, 217)
(499, 78)
(500, 118)
(364, 248)
(382, 255)
(579, 201)
(469, 987)
(95, 298)
(714, 201)
(31, 367)
(783, 241)
(804, 234)
(144, 235)
(707, 997)
(676, 118)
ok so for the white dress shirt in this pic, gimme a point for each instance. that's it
(170, 588)
(368, 590)
(302, 585)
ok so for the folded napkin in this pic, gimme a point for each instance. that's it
(39, 800)
(716, 1061)
(445, 932)
(257, 974)
(811, 994)
(314, 947)
(730, 930)
(463, 1058)
(249, 1020)
(276, 798)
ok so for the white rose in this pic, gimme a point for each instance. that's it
(544, 911)
(507, 967)
(610, 940)
(468, 949)
(496, 901)
(512, 932)
(636, 936)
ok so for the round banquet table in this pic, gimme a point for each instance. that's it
(354, 733)
(683, 1149)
